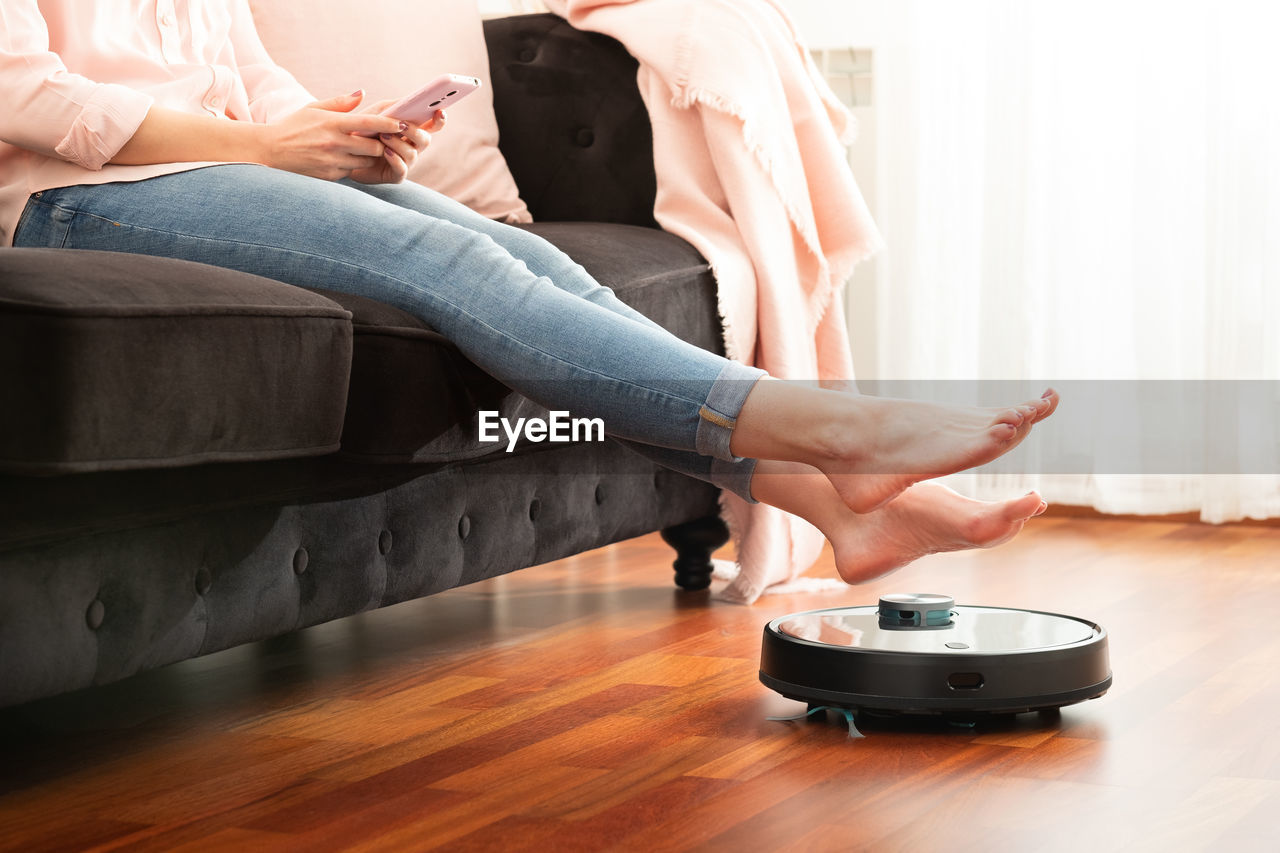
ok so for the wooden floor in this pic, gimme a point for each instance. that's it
(587, 705)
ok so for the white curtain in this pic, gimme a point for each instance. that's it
(1084, 191)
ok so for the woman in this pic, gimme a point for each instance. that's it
(164, 128)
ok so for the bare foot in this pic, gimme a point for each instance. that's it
(927, 518)
(892, 444)
(872, 448)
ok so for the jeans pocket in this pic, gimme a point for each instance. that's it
(18, 232)
(44, 223)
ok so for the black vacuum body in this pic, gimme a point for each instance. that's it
(919, 653)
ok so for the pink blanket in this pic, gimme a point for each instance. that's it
(748, 146)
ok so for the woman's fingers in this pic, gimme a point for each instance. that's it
(417, 137)
(414, 137)
(435, 124)
(359, 161)
(339, 103)
(398, 166)
(360, 146)
(328, 141)
(366, 124)
(402, 148)
(407, 146)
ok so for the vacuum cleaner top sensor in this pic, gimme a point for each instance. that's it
(919, 653)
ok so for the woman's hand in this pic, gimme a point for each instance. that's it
(400, 150)
(320, 140)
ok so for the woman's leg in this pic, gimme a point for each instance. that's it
(562, 350)
(778, 484)
(546, 260)
(557, 348)
(541, 257)
(925, 519)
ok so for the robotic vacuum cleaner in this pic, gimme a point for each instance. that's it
(921, 654)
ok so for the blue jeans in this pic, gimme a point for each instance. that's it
(512, 303)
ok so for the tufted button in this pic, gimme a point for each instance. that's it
(535, 509)
(300, 560)
(600, 493)
(384, 542)
(464, 526)
(585, 137)
(95, 614)
(528, 54)
(204, 580)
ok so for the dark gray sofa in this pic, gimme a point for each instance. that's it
(192, 458)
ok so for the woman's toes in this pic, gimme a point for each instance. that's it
(1039, 409)
(1053, 398)
(1028, 505)
(1003, 431)
(1012, 416)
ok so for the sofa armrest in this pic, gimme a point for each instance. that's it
(573, 127)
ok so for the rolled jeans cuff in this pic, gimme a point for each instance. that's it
(734, 477)
(719, 414)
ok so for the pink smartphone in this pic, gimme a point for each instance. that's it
(445, 90)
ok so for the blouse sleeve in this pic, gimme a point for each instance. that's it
(273, 92)
(46, 109)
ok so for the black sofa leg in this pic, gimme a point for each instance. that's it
(694, 542)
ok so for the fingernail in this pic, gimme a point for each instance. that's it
(385, 137)
(355, 93)
(403, 127)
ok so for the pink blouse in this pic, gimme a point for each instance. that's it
(60, 122)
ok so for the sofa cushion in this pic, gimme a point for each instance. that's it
(115, 361)
(414, 397)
